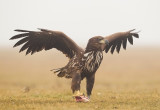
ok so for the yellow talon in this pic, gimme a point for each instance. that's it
(78, 93)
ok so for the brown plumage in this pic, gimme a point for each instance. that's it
(120, 38)
(82, 63)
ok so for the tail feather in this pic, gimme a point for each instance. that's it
(59, 72)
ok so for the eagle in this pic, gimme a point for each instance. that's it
(83, 63)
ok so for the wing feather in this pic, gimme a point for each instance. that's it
(125, 43)
(24, 47)
(107, 48)
(130, 39)
(29, 50)
(120, 38)
(21, 41)
(118, 47)
(19, 36)
(113, 48)
(35, 41)
(135, 35)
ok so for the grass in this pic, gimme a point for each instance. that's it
(101, 100)
(128, 81)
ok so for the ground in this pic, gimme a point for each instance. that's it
(126, 81)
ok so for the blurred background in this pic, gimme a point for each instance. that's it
(136, 68)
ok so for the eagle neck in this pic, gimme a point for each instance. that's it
(92, 60)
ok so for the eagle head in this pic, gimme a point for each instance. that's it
(96, 43)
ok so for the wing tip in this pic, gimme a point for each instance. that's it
(19, 30)
(131, 30)
(41, 29)
(15, 46)
(11, 38)
(135, 34)
(134, 30)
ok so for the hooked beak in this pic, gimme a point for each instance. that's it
(104, 42)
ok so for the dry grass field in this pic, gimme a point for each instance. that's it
(126, 81)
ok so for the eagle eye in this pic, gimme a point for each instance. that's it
(100, 39)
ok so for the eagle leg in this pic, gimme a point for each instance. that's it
(89, 84)
(75, 86)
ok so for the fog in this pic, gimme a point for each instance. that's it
(82, 19)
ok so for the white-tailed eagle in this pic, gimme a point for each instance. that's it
(83, 63)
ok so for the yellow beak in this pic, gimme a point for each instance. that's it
(102, 41)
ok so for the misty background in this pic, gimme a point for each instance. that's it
(82, 19)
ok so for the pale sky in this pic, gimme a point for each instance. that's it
(82, 19)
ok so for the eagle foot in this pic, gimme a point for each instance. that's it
(78, 93)
(80, 97)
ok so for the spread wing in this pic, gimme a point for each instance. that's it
(120, 39)
(35, 41)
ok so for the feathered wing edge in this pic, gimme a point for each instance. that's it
(35, 41)
(118, 40)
